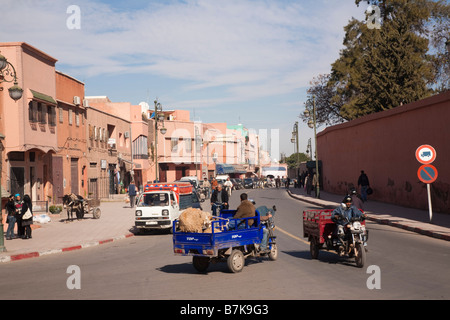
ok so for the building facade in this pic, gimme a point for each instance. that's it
(29, 125)
(69, 174)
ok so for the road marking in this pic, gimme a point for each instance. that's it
(291, 235)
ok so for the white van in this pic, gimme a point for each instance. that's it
(193, 179)
(161, 203)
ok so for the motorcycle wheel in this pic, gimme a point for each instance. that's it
(236, 261)
(200, 263)
(273, 254)
(360, 257)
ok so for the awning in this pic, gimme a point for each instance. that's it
(230, 168)
(43, 97)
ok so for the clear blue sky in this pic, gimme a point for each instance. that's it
(234, 61)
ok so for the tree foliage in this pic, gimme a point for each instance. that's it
(291, 161)
(402, 61)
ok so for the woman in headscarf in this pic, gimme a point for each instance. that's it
(26, 223)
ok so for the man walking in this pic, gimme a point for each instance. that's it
(132, 193)
(363, 181)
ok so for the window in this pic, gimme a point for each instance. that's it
(77, 118)
(32, 111)
(70, 116)
(188, 145)
(61, 115)
(51, 116)
(174, 144)
(43, 113)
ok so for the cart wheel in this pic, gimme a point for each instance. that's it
(97, 213)
(314, 248)
(360, 258)
(236, 261)
(200, 263)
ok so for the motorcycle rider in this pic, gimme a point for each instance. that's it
(219, 198)
(342, 215)
(228, 186)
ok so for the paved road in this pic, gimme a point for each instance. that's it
(143, 267)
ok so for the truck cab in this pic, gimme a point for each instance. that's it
(161, 203)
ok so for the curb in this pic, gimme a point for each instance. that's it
(383, 221)
(28, 255)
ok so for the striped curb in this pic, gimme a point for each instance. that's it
(36, 254)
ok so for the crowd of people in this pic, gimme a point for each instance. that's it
(19, 213)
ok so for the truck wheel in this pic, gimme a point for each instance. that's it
(360, 257)
(314, 248)
(200, 263)
(273, 255)
(236, 261)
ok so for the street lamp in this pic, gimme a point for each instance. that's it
(312, 124)
(159, 117)
(8, 74)
(295, 139)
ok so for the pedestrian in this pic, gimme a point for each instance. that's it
(10, 209)
(132, 193)
(206, 187)
(356, 199)
(18, 204)
(363, 181)
(314, 183)
(277, 182)
(308, 183)
(27, 220)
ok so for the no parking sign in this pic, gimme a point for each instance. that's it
(427, 173)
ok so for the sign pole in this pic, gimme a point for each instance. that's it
(429, 202)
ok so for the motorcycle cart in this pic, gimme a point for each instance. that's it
(320, 230)
(231, 241)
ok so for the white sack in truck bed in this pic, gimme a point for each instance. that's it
(194, 220)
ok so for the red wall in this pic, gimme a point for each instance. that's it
(384, 145)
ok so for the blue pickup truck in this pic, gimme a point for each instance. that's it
(227, 242)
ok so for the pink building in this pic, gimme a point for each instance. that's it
(109, 146)
(69, 164)
(29, 125)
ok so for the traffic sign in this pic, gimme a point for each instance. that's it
(425, 154)
(427, 173)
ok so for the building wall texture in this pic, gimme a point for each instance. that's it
(384, 146)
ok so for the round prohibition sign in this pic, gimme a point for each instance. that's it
(425, 154)
(427, 173)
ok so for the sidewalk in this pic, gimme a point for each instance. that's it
(410, 219)
(116, 222)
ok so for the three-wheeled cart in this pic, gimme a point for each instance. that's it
(321, 230)
(231, 240)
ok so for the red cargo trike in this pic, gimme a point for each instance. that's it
(320, 229)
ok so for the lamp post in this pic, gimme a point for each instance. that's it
(7, 74)
(312, 124)
(159, 117)
(196, 148)
(295, 140)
